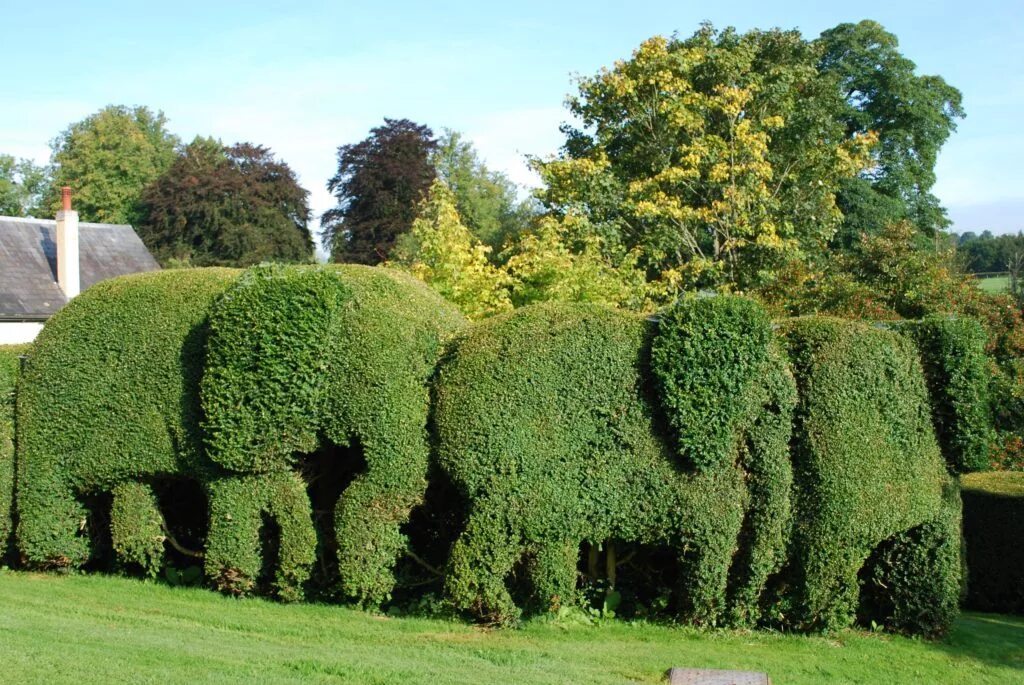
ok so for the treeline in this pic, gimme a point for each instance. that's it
(987, 253)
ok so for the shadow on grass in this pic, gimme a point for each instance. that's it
(993, 639)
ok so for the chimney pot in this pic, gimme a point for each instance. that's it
(65, 198)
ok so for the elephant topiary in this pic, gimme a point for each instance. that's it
(567, 423)
(109, 404)
(878, 517)
(302, 357)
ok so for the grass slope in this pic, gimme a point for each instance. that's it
(95, 629)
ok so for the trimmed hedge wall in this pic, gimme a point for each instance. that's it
(301, 354)
(550, 421)
(794, 473)
(993, 527)
(956, 370)
(867, 469)
(10, 363)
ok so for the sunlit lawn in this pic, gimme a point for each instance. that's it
(97, 629)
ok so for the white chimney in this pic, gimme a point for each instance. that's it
(67, 246)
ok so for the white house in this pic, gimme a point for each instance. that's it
(43, 264)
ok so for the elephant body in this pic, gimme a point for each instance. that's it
(109, 404)
(303, 357)
(549, 422)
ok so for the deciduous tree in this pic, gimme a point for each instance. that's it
(108, 158)
(379, 184)
(912, 116)
(22, 185)
(233, 206)
(718, 156)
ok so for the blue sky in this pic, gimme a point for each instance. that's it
(303, 78)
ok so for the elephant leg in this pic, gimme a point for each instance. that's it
(234, 557)
(51, 523)
(828, 589)
(553, 573)
(369, 516)
(705, 569)
(289, 506)
(483, 557)
(914, 581)
(137, 527)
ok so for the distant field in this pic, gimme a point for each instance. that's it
(994, 284)
(96, 629)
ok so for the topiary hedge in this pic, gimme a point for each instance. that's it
(993, 523)
(957, 372)
(568, 423)
(109, 404)
(109, 396)
(867, 470)
(300, 356)
(10, 363)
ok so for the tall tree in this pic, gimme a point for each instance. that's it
(912, 117)
(108, 158)
(379, 184)
(230, 206)
(719, 156)
(22, 185)
(487, 200)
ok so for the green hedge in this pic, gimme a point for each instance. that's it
(10, 363)
(110, 396)
(299, 355)
(549, 421)
(957, 372)
(993, 526)
(867, 469)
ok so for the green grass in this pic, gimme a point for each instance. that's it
(995, 285)
(95, 629)
(1007, 483)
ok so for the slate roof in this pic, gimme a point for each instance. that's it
(28, 263)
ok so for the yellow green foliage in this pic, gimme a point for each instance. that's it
(444, 254)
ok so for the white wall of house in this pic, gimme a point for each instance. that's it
(14, 332)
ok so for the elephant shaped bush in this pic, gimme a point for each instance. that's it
(877, 515)
(10, 363)
(301, 356)
(109, 404)
(564, 423)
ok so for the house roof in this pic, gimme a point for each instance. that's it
(28, 263)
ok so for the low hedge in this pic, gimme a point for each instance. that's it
(568, 423)
(957, 372)
(299, 355)
(10, 363)
(867, 470)
(993, 526)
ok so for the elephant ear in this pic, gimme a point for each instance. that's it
(706, 357)
(268, 356)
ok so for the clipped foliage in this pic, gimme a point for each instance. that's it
(993, 521)
(137, 527)
(110, 396)
(110, 404)
(343, 354)
(704, 360)
(866, 465)
(957, 371)
(10, 362)
(913, 582)
(548, 421)
(239, 507)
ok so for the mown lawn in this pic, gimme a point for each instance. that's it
(96, 629)
(995, 285)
